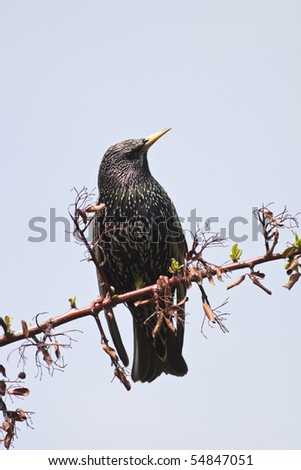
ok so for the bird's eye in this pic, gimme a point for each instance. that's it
(132, 155)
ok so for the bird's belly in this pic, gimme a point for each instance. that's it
(135, 253)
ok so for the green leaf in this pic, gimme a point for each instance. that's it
(72, 301)
(297, 241)
(8, 320)
(235, 252)
(175, 266)
(289, 252)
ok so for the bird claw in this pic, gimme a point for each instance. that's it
(93, 304)
(164, 289)
(162, 283)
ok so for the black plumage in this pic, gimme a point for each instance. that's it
(136, 238)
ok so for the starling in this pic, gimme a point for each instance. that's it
(135, 238)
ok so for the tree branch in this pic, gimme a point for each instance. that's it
(194, 274)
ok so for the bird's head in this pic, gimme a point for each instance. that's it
(127, 160)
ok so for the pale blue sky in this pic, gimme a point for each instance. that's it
(78, 76)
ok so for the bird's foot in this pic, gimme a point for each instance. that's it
(94, 303)
(163, 282)
(164, 290)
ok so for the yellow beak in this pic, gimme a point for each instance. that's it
(153, 138)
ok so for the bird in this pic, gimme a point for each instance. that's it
(136, 237)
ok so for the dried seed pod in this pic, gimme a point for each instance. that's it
(292, 280)
(237, 282)
(96, 207)
(46, 356)
(20, 415)
(219, 274)
(6, 425)
(209, 312)
(57, 349)
(22, 391)
(25, 328)
(170, 324)
(9, 436)
(157, 327)
(258, 284)
(268, 214)
(138, 303)
(82, 214)
(110, 351)
(121, 376)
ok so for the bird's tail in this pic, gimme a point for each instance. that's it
(154, 355)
